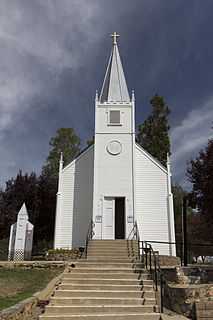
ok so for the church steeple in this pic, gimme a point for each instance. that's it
(114, 86)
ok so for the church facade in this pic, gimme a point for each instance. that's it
(114, 182)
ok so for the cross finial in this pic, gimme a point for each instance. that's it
(114, 35)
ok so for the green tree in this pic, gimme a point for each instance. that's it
(67, 142)
(39, 194)
(200, 174)
(178, 194)
(199, 232)
(91, 141)
(23, 188)
(153, 133)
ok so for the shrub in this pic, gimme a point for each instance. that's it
(75, 251)
(41, 247)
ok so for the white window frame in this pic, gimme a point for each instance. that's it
(108, 118)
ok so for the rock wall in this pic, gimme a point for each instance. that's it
(186, 286)
(183, 297)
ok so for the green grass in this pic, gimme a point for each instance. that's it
(17, 285)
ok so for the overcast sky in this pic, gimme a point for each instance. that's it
(53, 56)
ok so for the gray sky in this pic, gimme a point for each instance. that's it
(53, 56)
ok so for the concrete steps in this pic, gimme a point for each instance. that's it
(112, 260)
(98, 286)
(108, 285)
(101, 265)
(104, 293)
(102, 316)
(107, 275)
(92, 309)
(85, 300)
(105, 270)
(107, 281)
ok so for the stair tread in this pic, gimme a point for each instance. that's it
(71, 279)
(100, 298)
(105, 306)
(105, 314)
(112, 268)
(102, 314)
(118, 291)
(113, 285)
(98, 268)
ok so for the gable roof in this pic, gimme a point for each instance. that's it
(148, 155)
(78, 156)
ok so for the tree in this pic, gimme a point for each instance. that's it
(178, 194)
(153, 133)
(39, 194)
(47, 189)
(200, 174)
(67, 142)
(91, 141)
(24, 188)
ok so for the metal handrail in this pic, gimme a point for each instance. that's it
(134, 231)
(136, 236)
(147, 249)
(180, 246)
(90, 234)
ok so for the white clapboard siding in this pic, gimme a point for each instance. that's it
(152, 212)
(76, 200)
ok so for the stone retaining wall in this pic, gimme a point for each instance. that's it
(32, 264)
(186, 286)
(20, 311)
(182, 297)
(204, 310)
(64, 256)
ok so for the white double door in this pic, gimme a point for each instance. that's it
(109, 218)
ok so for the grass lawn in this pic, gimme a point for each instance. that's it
(17, 285)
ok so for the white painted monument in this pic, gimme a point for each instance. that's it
(114, 182)
(21, 237)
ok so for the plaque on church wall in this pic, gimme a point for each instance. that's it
(98, 219)
(114, 147)
(130, 219)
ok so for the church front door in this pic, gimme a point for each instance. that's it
(114, 218)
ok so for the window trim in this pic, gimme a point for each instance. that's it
(108, 118)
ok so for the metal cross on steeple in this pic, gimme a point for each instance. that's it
(114, 35)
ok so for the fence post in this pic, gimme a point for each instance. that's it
(156, 277)
(181, 253)
(161, 292)
(142, 252)
(184, 232)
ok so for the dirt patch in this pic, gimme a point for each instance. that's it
(10, 289)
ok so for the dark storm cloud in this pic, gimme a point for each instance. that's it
(54, 55)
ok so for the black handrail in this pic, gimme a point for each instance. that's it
(134, 231)
(90, 234)
(135, 236)
(147, 249)
(180, 244)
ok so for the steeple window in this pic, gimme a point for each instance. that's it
(114, 117)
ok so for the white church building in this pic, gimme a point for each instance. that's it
(114, 182)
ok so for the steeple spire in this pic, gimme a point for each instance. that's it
(114, 86)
